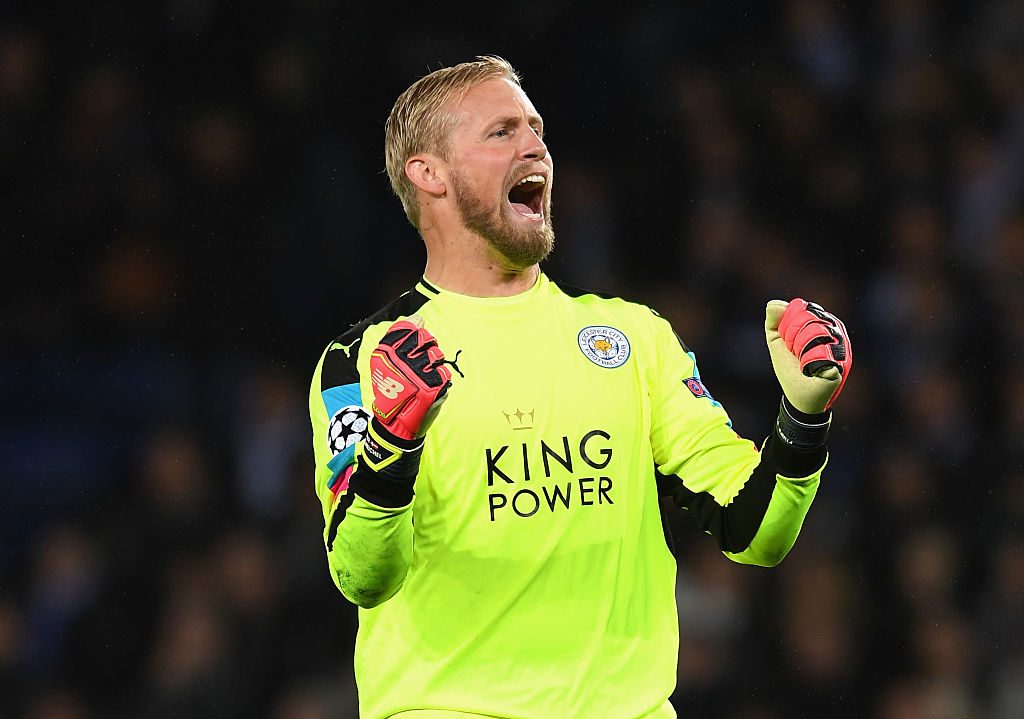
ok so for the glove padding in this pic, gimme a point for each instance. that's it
(810, 351)
(409, 379)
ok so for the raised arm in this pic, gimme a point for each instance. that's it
(753, 502)
(367, 462)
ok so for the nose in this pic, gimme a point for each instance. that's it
(534, 147)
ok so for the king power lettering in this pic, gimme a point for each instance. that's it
(570, 464)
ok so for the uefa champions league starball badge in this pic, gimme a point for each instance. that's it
(604, 346)
(347, 426)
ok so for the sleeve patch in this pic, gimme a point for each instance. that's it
(348, 423)
(696, 386)
(347, 427)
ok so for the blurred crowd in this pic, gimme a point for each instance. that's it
(192, 205)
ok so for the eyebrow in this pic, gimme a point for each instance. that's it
(514, 119)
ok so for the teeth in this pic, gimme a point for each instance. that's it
(532, 178)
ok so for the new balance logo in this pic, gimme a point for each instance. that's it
(388, 386)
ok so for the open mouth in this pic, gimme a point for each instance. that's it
(527, 197)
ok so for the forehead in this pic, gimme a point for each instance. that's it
(491, 99)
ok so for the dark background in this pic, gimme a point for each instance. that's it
(193, 203)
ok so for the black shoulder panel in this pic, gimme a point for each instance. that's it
(579, 292)
(406, 304)
(339, 368)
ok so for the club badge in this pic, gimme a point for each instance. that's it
(604, 346)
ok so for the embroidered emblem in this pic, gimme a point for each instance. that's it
(604, 346)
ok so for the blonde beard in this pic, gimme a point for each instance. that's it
(522, 248)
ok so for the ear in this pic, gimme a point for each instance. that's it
(427, 172)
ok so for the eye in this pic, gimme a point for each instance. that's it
(503, 132)
(538, 131)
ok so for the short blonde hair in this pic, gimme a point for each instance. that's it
(420, 122)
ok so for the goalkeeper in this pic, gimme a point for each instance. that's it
(491, 447)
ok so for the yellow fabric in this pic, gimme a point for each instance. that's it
(539, 583)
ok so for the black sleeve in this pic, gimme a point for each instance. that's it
(735, 525)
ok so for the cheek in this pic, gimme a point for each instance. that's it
(489, 182)
(485, 174)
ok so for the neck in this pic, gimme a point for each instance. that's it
(461, 261)
(479, 277)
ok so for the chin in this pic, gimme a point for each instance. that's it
(523, 246)
(521, 240)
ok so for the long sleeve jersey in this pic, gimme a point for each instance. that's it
(529, 575)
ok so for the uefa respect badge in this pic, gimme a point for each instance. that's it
(604, 346)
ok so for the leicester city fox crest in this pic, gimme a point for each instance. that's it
(604, 346)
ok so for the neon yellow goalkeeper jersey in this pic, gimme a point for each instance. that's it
(530, 577)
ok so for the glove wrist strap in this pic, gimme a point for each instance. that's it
(797, 447)
(802, 431)
(387, 467)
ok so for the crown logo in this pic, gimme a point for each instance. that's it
(520, 419)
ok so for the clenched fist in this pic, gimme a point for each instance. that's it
(810, 351)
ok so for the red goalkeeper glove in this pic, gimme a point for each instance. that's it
(409, 379)
(811, 353)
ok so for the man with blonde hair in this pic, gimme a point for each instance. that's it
(515, 564)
